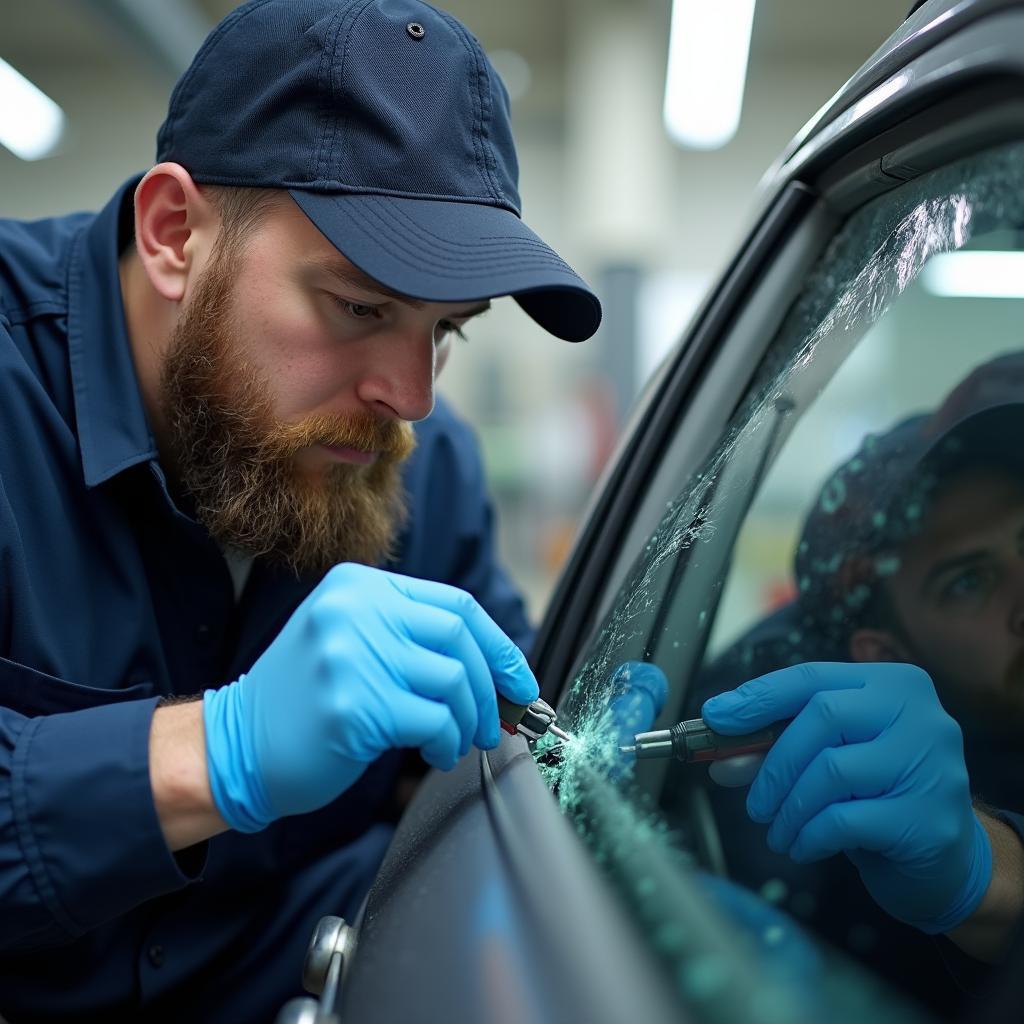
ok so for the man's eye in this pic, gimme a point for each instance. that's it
(968, 585)
(358, 310)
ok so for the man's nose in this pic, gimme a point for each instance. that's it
(398, 378)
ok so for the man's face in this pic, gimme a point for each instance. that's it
(959, 590)
(288, 388)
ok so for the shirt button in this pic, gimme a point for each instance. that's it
(203, 634)
(156, 955)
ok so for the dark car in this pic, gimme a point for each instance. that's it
(540, 884)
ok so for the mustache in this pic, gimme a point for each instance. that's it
(237, 459)
(363, 431)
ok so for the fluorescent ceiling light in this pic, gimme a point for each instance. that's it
(975, 274)
(30, 122)
(709, 43)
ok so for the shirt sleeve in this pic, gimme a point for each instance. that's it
(451, 536)
(80, 841)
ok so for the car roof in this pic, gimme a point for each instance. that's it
(927, 25)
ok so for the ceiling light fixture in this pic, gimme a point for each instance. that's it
(976, 274)
(31, 124)
(709, 43)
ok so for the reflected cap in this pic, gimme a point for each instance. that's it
(390, 129)
(877, 500)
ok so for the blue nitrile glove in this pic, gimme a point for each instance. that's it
(368, 662)
(638, 691)
(872, 766)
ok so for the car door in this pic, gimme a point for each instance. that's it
(566, 885)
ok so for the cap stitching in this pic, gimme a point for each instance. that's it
(384, 210)
(413, 259)
(338, 124)
(418, 260)
(184, 90)
(485, 121)
(314, 167)
(476, 94)
(326, 113)
(490, 160)
(510, 239)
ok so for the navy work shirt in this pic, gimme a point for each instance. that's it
(111, 597)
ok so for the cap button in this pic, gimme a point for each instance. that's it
(415, 30)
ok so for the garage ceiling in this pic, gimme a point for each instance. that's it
(99, 35)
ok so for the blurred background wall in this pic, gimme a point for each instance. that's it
(646, 221)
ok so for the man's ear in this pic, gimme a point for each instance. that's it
(175, 228)
(876, 645)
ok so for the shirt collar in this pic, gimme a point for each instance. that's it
(113, 430)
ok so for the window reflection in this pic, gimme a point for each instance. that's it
(866, 505)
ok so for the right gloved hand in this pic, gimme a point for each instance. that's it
(370, 661)
(871, 765)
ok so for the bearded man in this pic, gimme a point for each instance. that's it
(208, 660)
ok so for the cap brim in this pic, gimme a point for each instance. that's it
(455, 252)
(987, 433)
(990, 433)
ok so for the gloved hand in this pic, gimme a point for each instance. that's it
(637, 693)
(872, 766)
(369, 661)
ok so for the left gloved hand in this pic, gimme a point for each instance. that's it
(369, 662)
(872, 766)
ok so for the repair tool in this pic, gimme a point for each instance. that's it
(695, 742)
(531, 720)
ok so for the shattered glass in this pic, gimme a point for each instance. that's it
(651, 825)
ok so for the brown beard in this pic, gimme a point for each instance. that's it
(238, 463)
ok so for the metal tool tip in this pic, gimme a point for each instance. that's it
(628, 750)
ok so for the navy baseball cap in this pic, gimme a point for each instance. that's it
(389, 127)
(877, 500)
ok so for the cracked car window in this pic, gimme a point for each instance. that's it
(865, 504)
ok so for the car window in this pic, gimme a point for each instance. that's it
(866, 503)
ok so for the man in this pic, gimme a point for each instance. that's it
(205, 403)
(912, 551)
(912, 558)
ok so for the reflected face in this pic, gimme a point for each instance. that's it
(959, 590)
(288, 389)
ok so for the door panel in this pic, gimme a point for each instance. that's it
(487, 908)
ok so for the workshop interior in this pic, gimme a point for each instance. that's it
(639, 215)
(730, 728)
